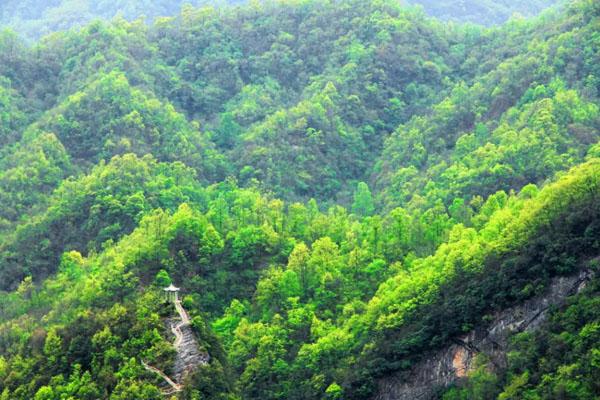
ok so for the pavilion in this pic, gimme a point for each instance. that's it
(172, 293)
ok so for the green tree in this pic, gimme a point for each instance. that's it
(162, 279)
(363, 201)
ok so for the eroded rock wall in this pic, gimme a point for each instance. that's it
(189, 355)
(451, 364)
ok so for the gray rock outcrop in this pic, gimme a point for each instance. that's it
(189, 355)
(453, 363)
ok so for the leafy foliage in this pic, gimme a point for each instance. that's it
(338, 187)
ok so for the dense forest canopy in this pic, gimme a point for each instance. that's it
(485, 12)
(36, 18)
(339, 188)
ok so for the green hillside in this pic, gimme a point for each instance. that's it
(338, 187)
(483, 12)
(35, 19)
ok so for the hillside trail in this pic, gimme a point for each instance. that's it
(175, 387)
(176, 329)
(188, 355)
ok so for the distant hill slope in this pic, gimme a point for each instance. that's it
(484, 12)
(338, 187)
(34, 20)
(38, 18)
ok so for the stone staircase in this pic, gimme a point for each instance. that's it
(189, 356)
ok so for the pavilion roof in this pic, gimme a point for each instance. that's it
(171, 288)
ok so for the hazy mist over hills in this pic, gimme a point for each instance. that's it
(37, 18)
(484, 12)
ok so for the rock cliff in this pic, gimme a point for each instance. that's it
(451, 364)
(189, 355)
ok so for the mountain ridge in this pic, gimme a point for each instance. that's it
(340, 187)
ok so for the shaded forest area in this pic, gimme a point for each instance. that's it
(338, 188)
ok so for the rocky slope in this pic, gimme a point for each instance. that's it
(453, 363)
(189, 355)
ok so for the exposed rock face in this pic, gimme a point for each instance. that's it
(447, 366)
(189, 356)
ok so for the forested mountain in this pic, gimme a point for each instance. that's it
(340, 188)
(36, 18)
(484, 12)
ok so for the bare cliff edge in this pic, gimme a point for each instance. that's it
(452, 363)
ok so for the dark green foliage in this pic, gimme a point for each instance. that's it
(338, 187)
(109, 117)
(559, 361)
(12, 117)
(31, 170)
(84, 213)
